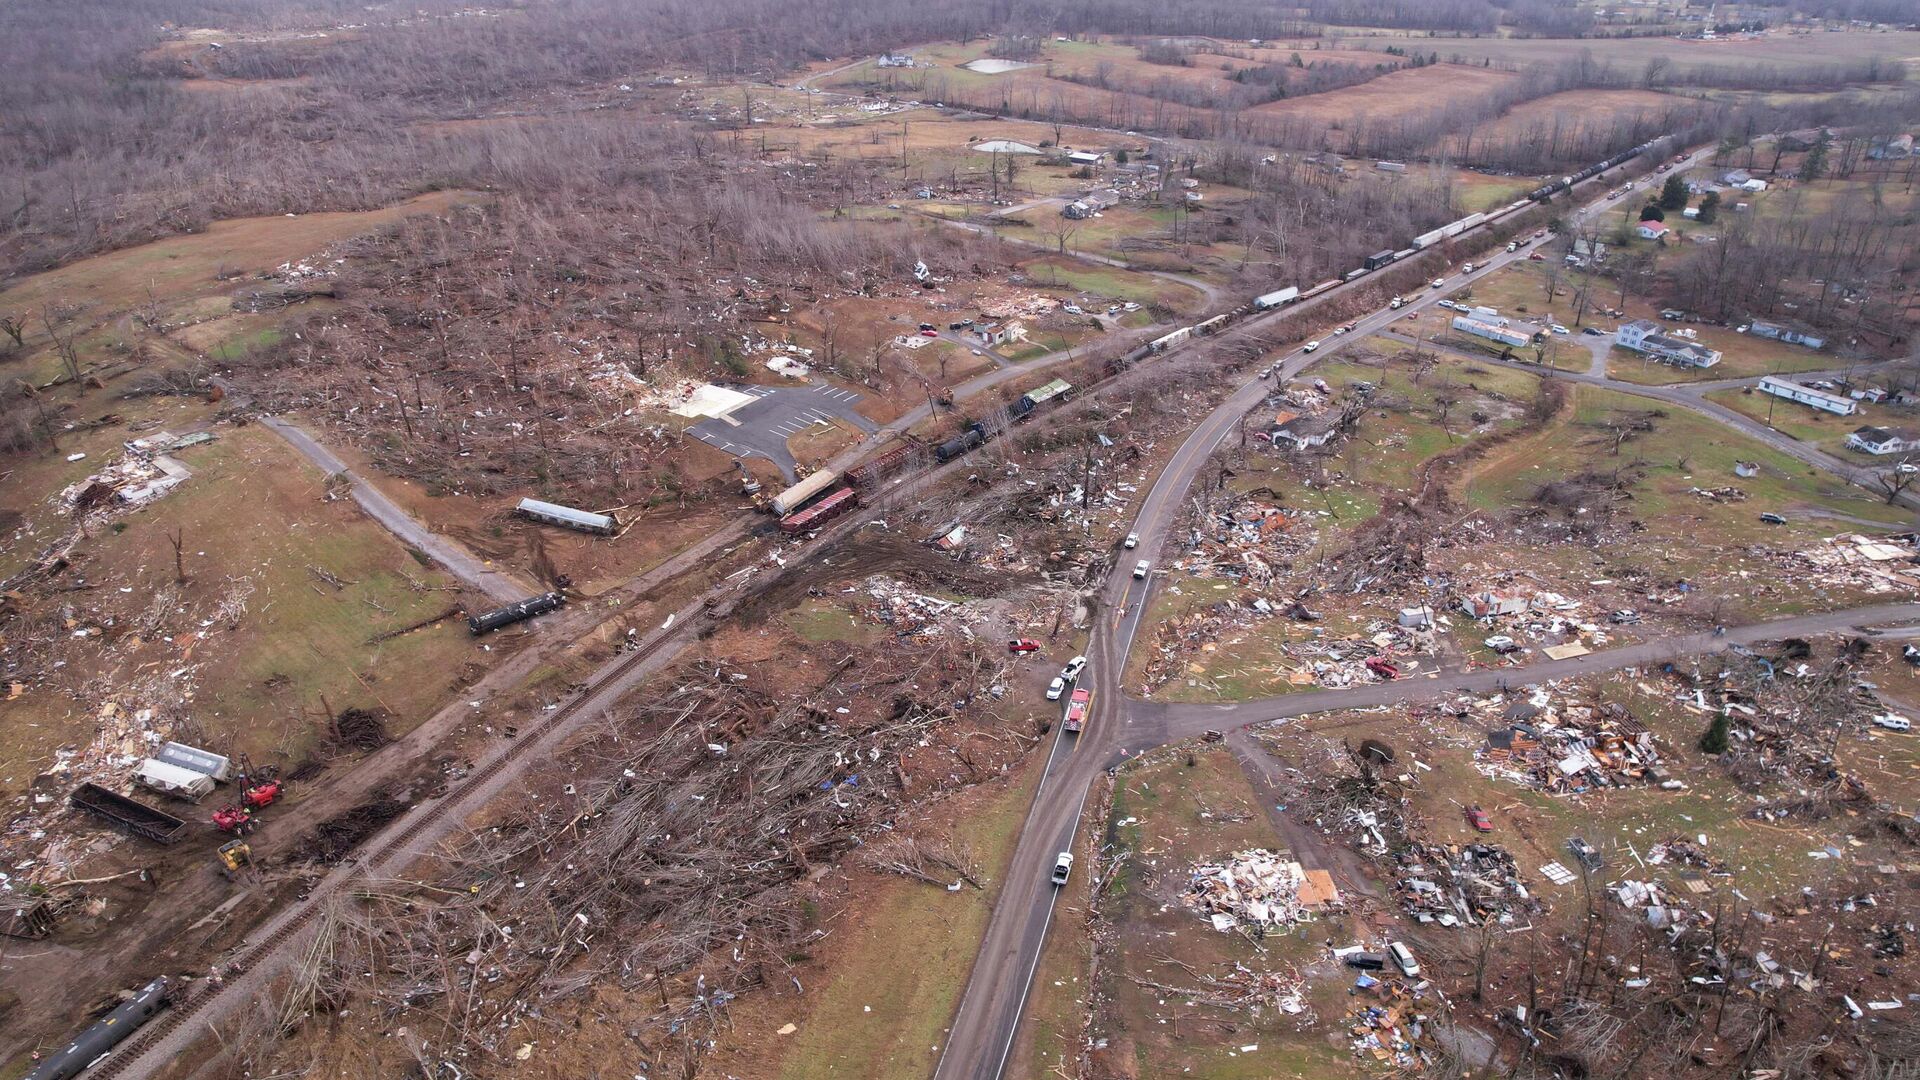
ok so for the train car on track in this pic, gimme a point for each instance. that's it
(109, 1031)
(821, 512)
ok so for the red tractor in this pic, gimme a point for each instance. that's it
(256, 794)
(1379, 666)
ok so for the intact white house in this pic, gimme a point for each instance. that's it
(1645, 337)
(1879, 440)
(1652, 230)
(1807, 395)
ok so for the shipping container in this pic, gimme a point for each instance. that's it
(821, 512)
(201, 761)
(1162, 344)
(156, 775)
(1040, 395)
(796, 496)
(1276, 298)
(567, 517)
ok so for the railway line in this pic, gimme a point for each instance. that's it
(251, 969)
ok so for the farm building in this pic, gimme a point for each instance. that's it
(1087, 157)
(1644, 337)
(1807, 395)
(1794, 142)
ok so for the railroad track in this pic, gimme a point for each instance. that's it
(394, 842)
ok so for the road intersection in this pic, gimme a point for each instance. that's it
(982, 1037)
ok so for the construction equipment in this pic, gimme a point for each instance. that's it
(259, 796)
(235, 855)
(232, 818)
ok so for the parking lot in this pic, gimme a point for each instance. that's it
(762, 427)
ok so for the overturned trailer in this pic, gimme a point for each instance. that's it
(130, 816)
(568, 518)
(519, 611)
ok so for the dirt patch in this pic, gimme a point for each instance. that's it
(869, 555)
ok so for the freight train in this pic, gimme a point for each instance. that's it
(1658, 147)
(797, 506)
(108, 1032)
(519, 611)
(816, 500)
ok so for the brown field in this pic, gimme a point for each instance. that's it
(183, 266)
(1577, 110)
(1400, 94)
(1781, 49)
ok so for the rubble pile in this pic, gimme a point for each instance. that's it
(1455, 884)
(1257, 889)
(1386, 1026)
(1567, 749)
(1662, 908)
(1247, 542)
(144, 473)
(1546, 617)
(1864, 562)
(893, 604)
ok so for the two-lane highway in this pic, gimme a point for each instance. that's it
(982, 1037)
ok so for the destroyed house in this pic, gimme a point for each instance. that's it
(1303, 432)
(1788, 334)
(1489, 604)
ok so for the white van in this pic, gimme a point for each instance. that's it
(1893, 722)
(1403, 959)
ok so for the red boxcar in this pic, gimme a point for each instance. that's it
(821, 512)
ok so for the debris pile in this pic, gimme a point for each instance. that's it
(1864, 562)
(1467, 884)
(1386, 1026)
(1568, 749)
(1257, 889)
(143, 474)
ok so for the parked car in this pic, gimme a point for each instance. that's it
(1403, 959)
(1536, 256)
(1893, 722)
(1772, 518)
(1624, 617)
(1310, 346)
(929, 332)
(1366, 961)
(1132, 541)
(1593, 331)
(1055, 688)
(1072, 309)
(1023, 645)
(1503, 644)
(1062, 866)
(1558, 329)
(1437, 282)
(1142, 568)
(926, 326)
(1478, 818)
(1073, 669)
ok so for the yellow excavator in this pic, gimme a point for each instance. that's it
(235, 856)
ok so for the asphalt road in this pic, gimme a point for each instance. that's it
(988, 1019)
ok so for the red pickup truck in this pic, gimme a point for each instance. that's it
(1077, 707)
